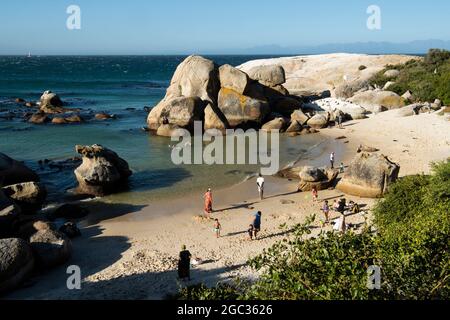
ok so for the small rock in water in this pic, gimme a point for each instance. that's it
(70, 229)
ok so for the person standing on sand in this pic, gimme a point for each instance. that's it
(208, 203)
(326, 211)
(342, 168)
(217, 228)
(332, 160)
(250, 232)
(257, 224)
(335, 205)
(260, 183)
(184, 264)
(315, 194)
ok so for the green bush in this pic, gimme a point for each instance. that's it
(428, 79)
(411, 245)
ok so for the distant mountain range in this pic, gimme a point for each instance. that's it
(413, 47)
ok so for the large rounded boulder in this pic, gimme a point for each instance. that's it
(239, 109)
(195, 77)
(50, 102)
(29, 196)
(277, 124)
(371, 100)
(12, 171)
(51, 248)
(16, 263)
(268, 75)
(319, 121)
(369, 175)
(194, 85)
(180, 112)
(101, 172)
(319, 178)
(233, 78)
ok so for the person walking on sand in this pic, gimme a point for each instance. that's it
(257, 224)
(260, 183)
(184, 264)
(250, 232)
(326, 211)
(208, 203)
(315, 194)
(332, 160)
(217, 228)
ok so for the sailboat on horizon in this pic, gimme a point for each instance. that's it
(29, 54)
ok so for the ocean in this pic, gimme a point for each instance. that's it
(124, 86)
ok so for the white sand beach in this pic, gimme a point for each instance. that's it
(131, 252)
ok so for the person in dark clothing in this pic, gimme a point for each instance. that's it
(184, 264)
(257, 224)
(341, 208)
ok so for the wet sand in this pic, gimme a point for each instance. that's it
(130, 251)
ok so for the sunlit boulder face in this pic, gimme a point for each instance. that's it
(239, 109)
(233, 79)
(319, 178)
(29, 196)
(194, 84)
(369, 175)
(221, 97)
(268, 75)
(50, 102)
(372, 99)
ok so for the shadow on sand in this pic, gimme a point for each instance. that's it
(92, 253)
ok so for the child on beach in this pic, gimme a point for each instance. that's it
(250, 232)
(217, 228)
(342, 168)
(326, 211)
(315, 194)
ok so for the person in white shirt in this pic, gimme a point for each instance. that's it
(260, 184)
(332, 160)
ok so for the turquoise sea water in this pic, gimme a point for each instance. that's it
(122, 85)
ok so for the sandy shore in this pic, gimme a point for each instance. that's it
(130, 252)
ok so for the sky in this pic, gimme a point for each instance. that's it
(210, 26)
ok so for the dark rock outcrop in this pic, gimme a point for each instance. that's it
(29, 196)
(101, 172)
(12, 171)
(51, 248)
(16, 263)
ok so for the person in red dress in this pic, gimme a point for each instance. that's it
(208, 203)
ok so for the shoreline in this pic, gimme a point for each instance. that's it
(130, 252)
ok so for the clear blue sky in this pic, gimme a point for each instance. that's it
(202, 26)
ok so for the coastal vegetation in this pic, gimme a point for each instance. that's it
(409, 240)
(428, 79)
